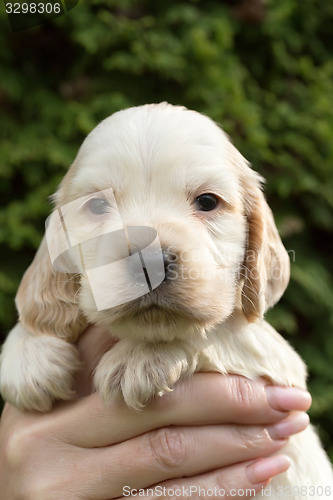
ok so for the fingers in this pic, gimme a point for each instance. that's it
(238, 481)
(161, 455)
(206, 398)
(176, 452)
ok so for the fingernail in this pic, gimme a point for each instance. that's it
(265, 469)
(296, 422)
(288, 398)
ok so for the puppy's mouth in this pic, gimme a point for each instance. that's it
(155, 307)
(153, 303)
(153, 314)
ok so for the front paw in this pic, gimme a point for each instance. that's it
(36, 370)
(142, 371)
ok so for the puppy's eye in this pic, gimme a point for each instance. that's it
(98, 206)
(206, 202)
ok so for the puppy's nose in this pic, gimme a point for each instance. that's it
(152, 261)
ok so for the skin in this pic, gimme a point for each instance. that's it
(211, 432)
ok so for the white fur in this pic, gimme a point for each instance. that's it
(36, 370)
(230, 267)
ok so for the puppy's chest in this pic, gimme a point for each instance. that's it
(252, 350)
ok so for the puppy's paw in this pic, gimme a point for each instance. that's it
(36, 369)
(142, 371)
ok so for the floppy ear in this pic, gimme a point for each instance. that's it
(46, 299)
(266, 267)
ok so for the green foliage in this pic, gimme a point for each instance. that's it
(267, 77)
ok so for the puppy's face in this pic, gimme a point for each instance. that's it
(170, 228)
(169, 169)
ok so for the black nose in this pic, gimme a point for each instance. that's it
(153, 261)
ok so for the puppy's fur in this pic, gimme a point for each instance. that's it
(229, 266)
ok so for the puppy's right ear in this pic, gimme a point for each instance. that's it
(47, 299)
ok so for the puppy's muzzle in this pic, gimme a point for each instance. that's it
(151, 260)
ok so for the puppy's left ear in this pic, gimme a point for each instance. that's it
(266, 266)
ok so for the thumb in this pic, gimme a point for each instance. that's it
(94, 342)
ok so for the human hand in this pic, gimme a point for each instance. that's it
(211, 432)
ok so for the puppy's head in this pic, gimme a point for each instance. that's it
(163, 230)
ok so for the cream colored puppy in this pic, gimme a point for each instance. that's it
(162, 235)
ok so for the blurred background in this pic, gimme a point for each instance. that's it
(262, 69)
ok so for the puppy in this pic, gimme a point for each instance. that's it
(162, 235)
